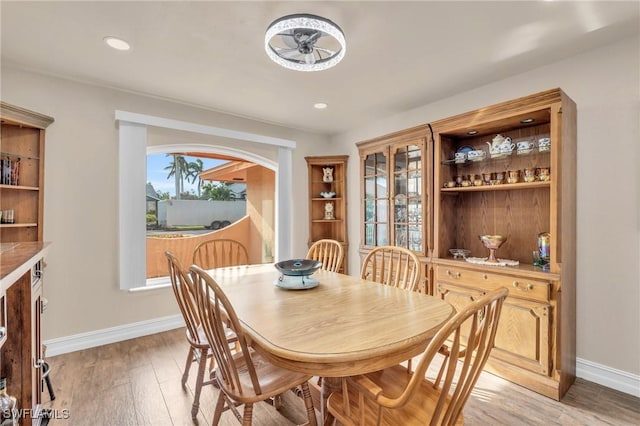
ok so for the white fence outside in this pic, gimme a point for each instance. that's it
(209, 213)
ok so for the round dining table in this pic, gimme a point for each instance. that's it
(340, 326)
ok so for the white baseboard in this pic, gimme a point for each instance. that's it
(609, 377)
(588, 370)
(76, 342)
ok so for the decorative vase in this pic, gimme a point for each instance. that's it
(493, 243)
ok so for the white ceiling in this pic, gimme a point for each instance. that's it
(400, 55)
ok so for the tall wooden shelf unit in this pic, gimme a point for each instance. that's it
(396, 193)
(23, 134)
(321, 227)
(21, 356)
(535, 342)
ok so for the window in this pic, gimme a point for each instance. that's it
(134, 144)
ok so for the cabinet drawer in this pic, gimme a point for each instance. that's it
(521, 287)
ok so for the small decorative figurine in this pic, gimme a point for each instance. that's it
(327, 174)
(328, 211)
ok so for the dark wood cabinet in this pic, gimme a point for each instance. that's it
(21, 263)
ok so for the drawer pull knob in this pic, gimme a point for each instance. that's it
(485, 276)
(457, 274)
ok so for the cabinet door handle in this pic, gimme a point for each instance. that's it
(526, 287)
(451, 274)
(38, 364)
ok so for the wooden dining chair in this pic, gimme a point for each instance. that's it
(394, 396)
(245, 376)
(329, 252)
(220, 253)
(199, 348)
(392, 265)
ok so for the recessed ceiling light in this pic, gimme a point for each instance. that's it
(117, 43)
(527, 120)
(320, 105)
(472, 132)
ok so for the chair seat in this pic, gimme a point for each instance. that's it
(273, 380)
(417, 411)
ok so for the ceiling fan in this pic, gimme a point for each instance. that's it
(305, 42)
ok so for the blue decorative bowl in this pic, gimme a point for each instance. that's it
(298, 267)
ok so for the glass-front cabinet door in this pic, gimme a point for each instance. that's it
(395, 194)
(376, 199)
(407, 222)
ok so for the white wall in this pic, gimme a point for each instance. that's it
(605, 84)
(81, 198)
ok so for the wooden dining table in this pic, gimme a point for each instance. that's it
(343, 327)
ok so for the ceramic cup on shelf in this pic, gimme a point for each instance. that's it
(529, 174)
(450, 184)
(497, 178)
(543, 174)
(544, 144)
(513, 176)
(525, 147)
(486, 178)
(476, 155)
(477, 180)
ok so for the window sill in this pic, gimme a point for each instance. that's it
(153, 284)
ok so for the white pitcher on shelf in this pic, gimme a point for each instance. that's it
(500, 145)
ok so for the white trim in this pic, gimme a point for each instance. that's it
(132, 179)
(167, 123)
(284, 205)
(213, 149)
(609, 377)
(91, 339)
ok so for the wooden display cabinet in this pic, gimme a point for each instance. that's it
(535, 344)
(395, 188)
(325, 222)
(23, 135)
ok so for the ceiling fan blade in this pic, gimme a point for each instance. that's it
(288, 53)
(327, 52)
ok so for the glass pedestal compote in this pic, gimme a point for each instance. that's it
(493, 243)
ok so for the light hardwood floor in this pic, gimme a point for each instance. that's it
(137, 382)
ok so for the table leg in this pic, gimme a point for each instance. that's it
(329, 384)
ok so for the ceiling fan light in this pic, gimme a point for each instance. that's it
(302, 22)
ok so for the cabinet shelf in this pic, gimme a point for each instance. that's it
(502, 187)
(489, 160)
(20, 187)
(18, 225)
(326, 220)
(326, 199)
(335, 181)
(15, 155)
